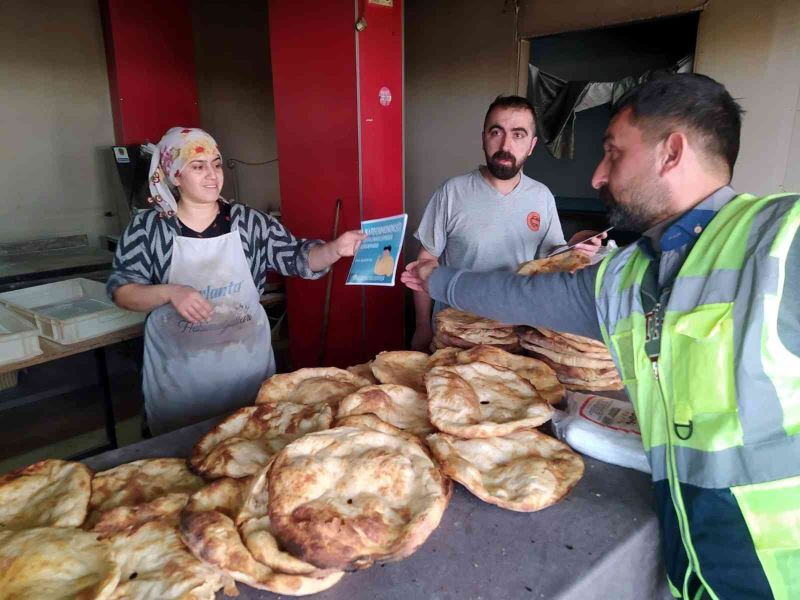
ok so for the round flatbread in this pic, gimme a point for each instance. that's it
(310, 386)
(568, 262)
(209, 531)
(138, 482)
(481, 400)
(349, 496)
(403, 367)
(49, 493)
(451, 319)
(523, 471)
(166, 508)
(246, 441)
(373, 422)
(531, 338)
(364, 370)
(444, 357)
(571, 360)
(541, 376)
(401, 406)
(578, 342)
(56, 563)
(571, 374)
(154, 563)
(259, 537)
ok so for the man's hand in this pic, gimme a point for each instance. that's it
(190, 304)
(347, 244)
(417, 274)
(590, 246)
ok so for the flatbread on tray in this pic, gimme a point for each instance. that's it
(137, 482)
(165, 508)
(310, 386)
(52, 493)
(208, 528)
(401, 406)
(154, 563)
(568, 262)
(349, 496)
(524, 471)
(245, 441)
(539, 374)
(402, 367)
(56, 563)
(481, 400)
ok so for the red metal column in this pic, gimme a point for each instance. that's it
(151, 70)
(317, 69)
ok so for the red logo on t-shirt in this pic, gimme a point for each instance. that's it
(534, 220)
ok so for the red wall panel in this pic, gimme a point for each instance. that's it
(316, 70)
(316, 126)
(151, 68)
(380, 61)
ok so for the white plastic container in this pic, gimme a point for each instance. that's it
(18, 338)
(70, 311)
(603, 428)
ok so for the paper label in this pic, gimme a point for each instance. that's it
(611, 414)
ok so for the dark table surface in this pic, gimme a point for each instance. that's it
(600, 542)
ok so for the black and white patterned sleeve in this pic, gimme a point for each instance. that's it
(287, 254)
(133, 262)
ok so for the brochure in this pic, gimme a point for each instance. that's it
(375, 263)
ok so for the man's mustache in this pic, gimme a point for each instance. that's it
(503, 155)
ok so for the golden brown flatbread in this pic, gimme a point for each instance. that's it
(138, 482)
(259, 537)
(481, 400)
(555, 342)
(540, 375)
(524, 471)
(346, 497)
(310, 386)
(372, 422)
(401, 406)
(569, 262)
(402, 367)
(364, 370)
(572, 359)
(578, 342)
(49, 493)
(154, 563)
(444, 357)
(165, 508)
(451, 318)
(209, 531)
(55, 563)
(457, 328)
(246, 441)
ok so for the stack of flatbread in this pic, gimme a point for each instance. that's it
(568, 262)
(463, 330)
(580, 363)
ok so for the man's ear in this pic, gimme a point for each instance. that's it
(533, 145)
(673, 151)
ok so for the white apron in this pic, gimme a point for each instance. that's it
(193, 372)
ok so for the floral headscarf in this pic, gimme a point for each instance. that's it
(179, 146)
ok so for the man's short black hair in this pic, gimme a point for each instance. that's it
(515, 102)
(694, 101)
(389, 248)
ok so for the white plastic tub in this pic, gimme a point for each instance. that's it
(70, 311)
(18, 338)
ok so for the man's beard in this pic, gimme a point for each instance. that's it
(647, 206)
(501, 171)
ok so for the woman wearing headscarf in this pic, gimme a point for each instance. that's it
(198, 264)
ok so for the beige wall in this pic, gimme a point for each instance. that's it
(55, 118)
(234, 81)
(459, 57)
(754, 49)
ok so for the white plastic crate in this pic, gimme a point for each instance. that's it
(70, 311)
(18, 338)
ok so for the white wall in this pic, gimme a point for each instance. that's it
(55, 117)
(754, 49)
(459, 57)
(234, 86)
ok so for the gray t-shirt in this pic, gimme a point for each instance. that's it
(470, 225)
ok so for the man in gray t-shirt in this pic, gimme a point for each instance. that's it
(495, 217)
